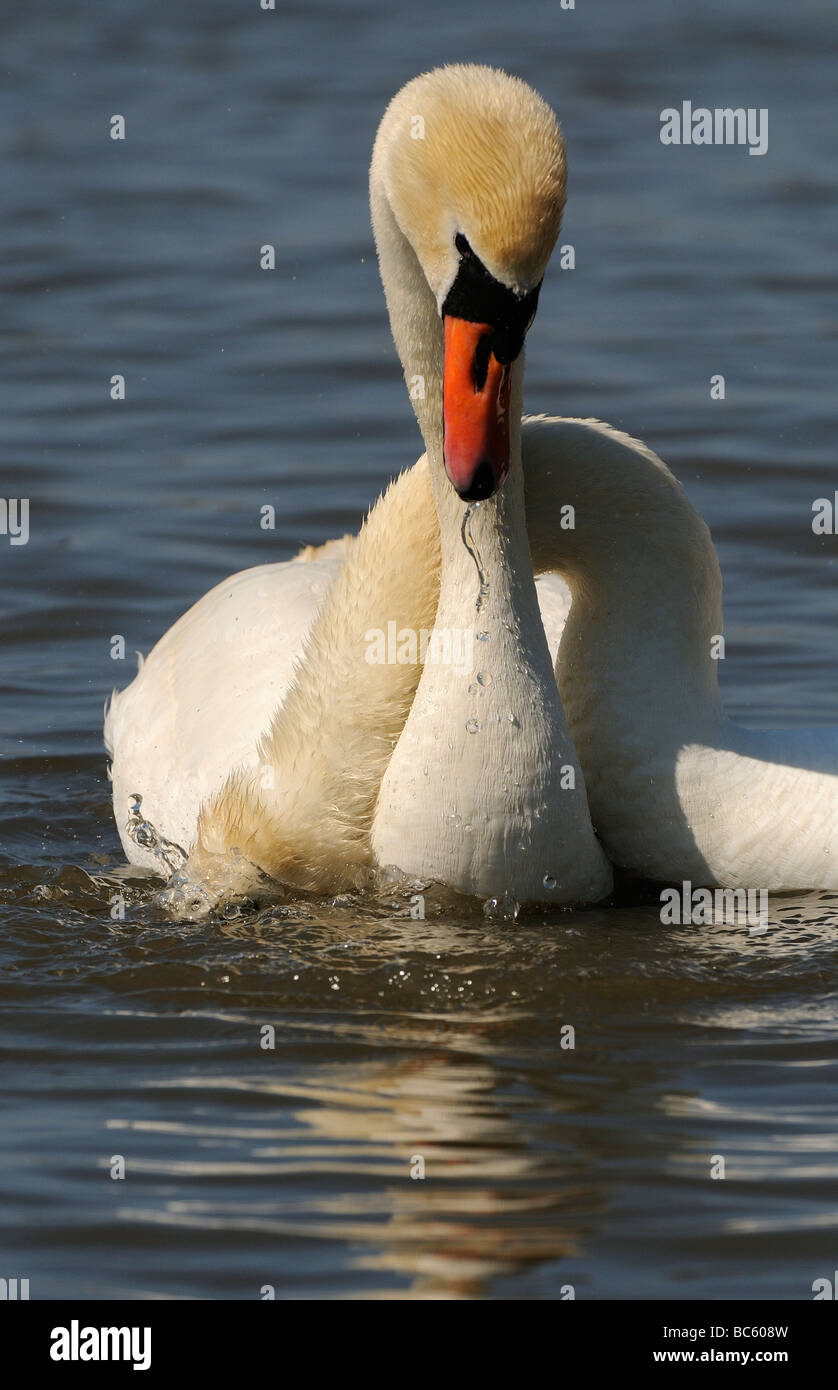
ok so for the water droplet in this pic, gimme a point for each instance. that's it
(473, 726)
(482, 636)
(484, 678)
(501, 909)
(471, 546)
(513, 720)
(549, 882)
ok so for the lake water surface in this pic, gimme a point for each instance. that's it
(546, 1166)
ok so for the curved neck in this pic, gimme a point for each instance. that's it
(484, 791)
(414, 319)
(646, 621)
(418, 334)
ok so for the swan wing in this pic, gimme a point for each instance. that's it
(207, 691)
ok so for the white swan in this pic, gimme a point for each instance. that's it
(483, 790)
(676, 790)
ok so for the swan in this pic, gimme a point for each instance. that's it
(677, 791)
(258, 733)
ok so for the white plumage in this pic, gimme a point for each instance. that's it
(207, 691)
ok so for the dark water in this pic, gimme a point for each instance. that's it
(545, 1166)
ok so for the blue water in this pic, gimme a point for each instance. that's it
(246, 1167)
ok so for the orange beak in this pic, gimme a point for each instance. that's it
(475, 410)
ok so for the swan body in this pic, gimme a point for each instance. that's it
(282, 780)
(212, 685)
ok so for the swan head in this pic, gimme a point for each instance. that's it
(472, 165)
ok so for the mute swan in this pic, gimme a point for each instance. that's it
(341, 763)
(676, 790)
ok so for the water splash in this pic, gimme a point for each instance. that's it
(142, 833)
(182, 896)
(502, 909)
(184, 899)
(225, 884)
